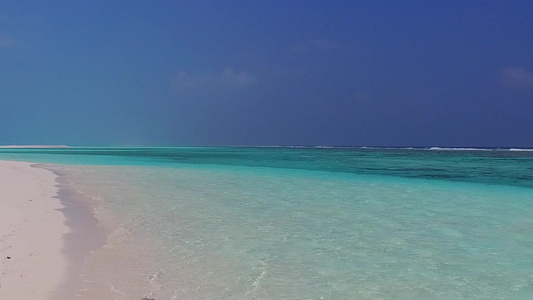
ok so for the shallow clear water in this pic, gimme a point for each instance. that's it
(230, 223)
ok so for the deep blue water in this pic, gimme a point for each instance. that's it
(483, 166)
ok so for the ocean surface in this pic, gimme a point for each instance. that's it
(302, 223)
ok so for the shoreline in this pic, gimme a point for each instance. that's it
(51, 234)
(84, 237)
(46, 233)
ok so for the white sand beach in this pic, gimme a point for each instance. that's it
(32, 227)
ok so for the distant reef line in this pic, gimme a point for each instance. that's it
(34, 146)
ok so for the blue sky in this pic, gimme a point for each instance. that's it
(359, 73)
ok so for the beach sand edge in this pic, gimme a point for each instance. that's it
(32, 230)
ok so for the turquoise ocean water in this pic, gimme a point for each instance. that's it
(302, 223)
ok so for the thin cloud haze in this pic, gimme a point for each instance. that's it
(6, 41)
(516, 77)
(227, 78)
(316, 45)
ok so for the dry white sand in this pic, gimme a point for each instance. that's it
(32, 227)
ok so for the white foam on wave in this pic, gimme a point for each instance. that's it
(477, 149)
(459, 149)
